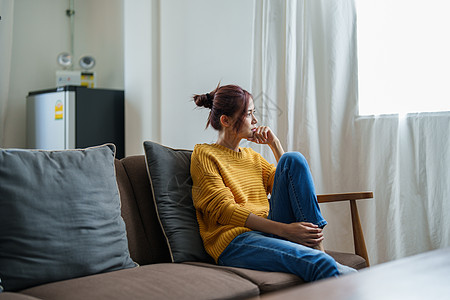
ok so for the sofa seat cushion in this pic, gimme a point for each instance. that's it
(16, 296)
(273, 281)
(157, 281)
(348, 259)
(266, 281)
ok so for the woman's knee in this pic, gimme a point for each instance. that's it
(293, 159)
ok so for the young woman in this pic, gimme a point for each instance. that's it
(239, 226)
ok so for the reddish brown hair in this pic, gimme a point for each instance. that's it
(228, 100)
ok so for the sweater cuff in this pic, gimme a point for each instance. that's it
(239, 216)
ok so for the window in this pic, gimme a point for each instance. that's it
(403, 56)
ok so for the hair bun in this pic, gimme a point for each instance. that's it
(205, 100)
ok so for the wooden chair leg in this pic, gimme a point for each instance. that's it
(358, 237)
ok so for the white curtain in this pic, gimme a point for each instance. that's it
(305, 87)
(6, 25)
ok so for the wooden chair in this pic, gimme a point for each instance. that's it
(358, 236)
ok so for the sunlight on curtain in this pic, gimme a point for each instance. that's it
(6, 13)
(305, 88)
(406, 160)
(403, 56)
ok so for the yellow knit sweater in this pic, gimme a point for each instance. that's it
(227, 187)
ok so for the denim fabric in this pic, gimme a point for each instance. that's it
(259, 251)
(293, 200)
(293, 194)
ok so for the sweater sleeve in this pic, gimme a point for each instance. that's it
(268, 174)
(213, 200)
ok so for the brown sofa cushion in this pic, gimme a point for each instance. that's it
(16, 296)
(266, 281)
(158, 281)
(273, 281)
(349, 259)
(145, 238)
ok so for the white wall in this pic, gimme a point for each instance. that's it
(199, 43)
(202, 42)
(142, 75)
(160, 52)
(41, 32)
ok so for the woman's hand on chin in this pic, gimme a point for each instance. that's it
(263, 135)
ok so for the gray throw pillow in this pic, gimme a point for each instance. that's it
(170, 177)
(59, 216)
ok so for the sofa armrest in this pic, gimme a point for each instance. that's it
(358, 235)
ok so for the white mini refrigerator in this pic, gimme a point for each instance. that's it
(73, 117)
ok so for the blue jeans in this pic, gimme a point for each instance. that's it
(293, 200)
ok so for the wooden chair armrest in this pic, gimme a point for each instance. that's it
(344, 197)
(358, 235)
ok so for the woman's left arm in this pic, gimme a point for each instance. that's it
(264, 135)
(277, 149)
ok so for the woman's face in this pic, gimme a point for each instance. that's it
(249, 122)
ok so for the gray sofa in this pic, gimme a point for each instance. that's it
(157, 277)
